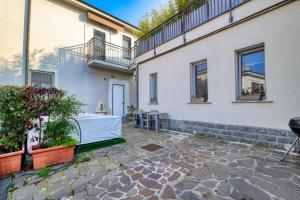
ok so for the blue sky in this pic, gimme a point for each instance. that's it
(128, 10)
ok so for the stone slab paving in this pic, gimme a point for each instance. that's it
(189, 167)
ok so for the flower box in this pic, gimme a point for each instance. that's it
(11, 162)
(51, 156)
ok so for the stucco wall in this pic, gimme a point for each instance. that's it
(278, 30)
(11, 45)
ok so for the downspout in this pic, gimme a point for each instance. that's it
(137, 86)
(27, 39)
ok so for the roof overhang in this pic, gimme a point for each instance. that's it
(106, 18)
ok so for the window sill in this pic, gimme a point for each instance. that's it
(199, 102)
(263, 101)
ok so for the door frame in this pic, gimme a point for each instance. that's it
(112, 103)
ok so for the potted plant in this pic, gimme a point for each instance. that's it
(56, 144)
(13, 120)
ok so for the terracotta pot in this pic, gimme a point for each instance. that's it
(51, 156)
(11, 162)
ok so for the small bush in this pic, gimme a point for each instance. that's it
(14, 118)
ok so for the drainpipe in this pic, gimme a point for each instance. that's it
(27, 38)
(137, 86)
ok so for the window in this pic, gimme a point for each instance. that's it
(252, 83)
(41, 79)
(127, 47)
(199, 90)
(153, 88)
(99, 45)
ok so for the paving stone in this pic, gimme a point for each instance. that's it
(154, 176)
(168, 193)
(80, 184)
(247, 163)
(104, 184)
(146, 192)
(210, 183)
(126, 188)
(39, 196)
(125, 180)
(25, 192)
(116, 194)
(190, 196)
(80, 195)
(114, 187)
(93, 191)
(248, 191)
(149, 183)
(55, 178)
(71, 173)
(174, 176)
(185, 185)
(273, 172)
(58, 191)
(137, 176)
(223, 189)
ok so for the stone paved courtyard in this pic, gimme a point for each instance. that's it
(188, 167)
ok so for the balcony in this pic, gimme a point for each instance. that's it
(106, 55)
(192, 17)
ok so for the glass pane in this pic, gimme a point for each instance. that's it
(201, 90)
(153, 87)
(253, 75)
(41, 79)
(127, 46)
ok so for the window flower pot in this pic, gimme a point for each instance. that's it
(51, 156)
(250, 97)
(11, 162)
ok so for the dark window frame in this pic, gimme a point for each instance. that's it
(239, 82)
(193, 85)
(43, 72)
(153, 99)
(126, 51)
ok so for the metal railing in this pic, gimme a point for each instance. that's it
(193, 16)
(97, 49)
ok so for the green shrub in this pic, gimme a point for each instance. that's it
(20, 106)
(14, 118)
(60, 108)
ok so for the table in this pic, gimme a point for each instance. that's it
(156, 116)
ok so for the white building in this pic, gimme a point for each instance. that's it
(71, 45)
(191, 67)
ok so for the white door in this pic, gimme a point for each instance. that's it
(118, 100)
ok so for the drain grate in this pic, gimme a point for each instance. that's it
(152, 147)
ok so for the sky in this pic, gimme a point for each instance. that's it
(128, 10)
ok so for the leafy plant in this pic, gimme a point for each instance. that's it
(131, 109)
(14, 118)
(59, 108)
(44, 173)
(158, 16)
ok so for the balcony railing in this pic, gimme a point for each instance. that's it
(97, 49)
(193, 16)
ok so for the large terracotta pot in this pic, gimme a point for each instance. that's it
(51, 156)
(11, 162)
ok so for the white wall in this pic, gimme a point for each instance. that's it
(11, 42)
(57, 30)
(279, 30)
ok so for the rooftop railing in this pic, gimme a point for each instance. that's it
(97, 49)
(193, 16)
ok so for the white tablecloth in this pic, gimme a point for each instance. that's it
(95, 128)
